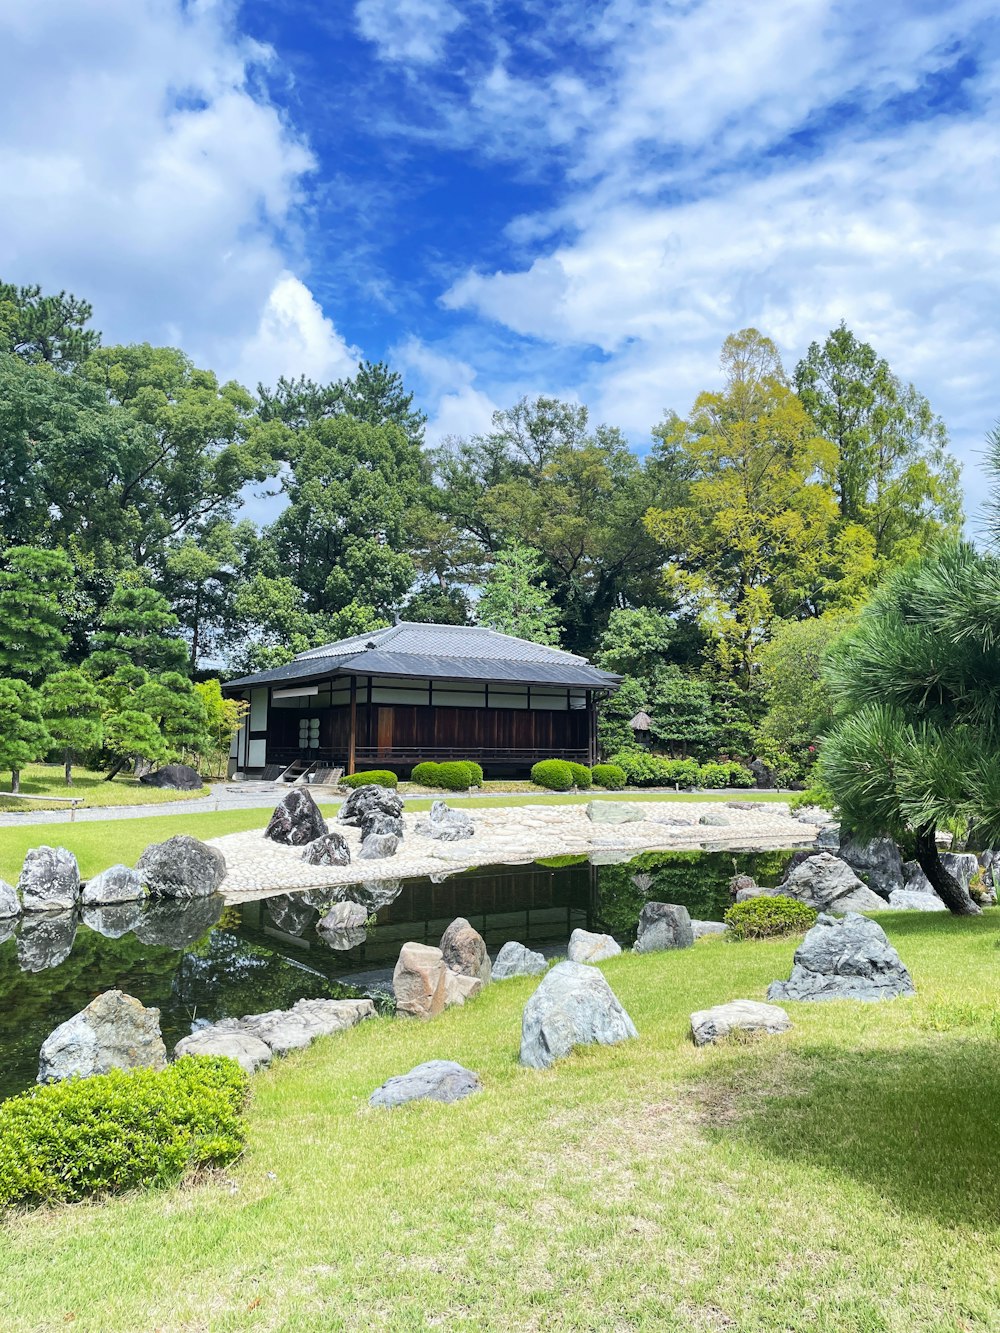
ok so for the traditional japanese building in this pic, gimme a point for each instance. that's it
(393, 697)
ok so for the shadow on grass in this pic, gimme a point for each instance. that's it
(917, 1124)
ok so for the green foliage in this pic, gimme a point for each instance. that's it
(514, 600)
(636, 642)
(45, 329)
(455, 775)
(654, 770)
(817, 795)
(740, 776)
(24, 737)
(582, 776)
(120, 1130)
(475, 772)
(609, 776)
(137, 629)
(553, 774)
(71, 708)
(797, 693)
(426, 774)
(713, 775)
(379, 777)
(36, 587)
(766, 917)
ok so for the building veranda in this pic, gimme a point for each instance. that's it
(394, 697)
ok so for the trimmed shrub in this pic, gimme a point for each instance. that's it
(713, 775)
(582, 776)
(608, 776)
(740, 775)
(766, 917)
(555, 774)
(476, 771)
(378, 777)
(426, 774)
(455, 775)
(121, 1130)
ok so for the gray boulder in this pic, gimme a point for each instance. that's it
(176, 777)
(573, 1006)
(763, 776)
(9, 904)
(615, 812)
(8, 925)
(844, 958)
(182, 867)
(49, 880)
(715, 821)
(113, 920)
(378, 822)
(176, 923)
(294, 913)
(296, 820)
(368, 799)
(827, 883)
(445, 824)
(249, 1052)
(343, 916)
(663, 926)
(464, 950)
(293, 1029)
(516, 960)
(877, 862)
(118, 884)
(828, 839)
(115, 1031)
(329, 849)
(436, 1081)
(586, 947)
(915, 901)
(377, 846)
(377, 893)
(701, 928)
(442, 813)
(46, 940)
(712, 1025)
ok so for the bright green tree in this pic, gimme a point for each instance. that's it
(223, 718)
(50, 329)
(23, 736)
(796, 691)
(137, 629)
(71, 707)
(514, 599)
(36, 587)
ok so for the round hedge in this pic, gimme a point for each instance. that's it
(426, 774)
(583, 779)
(378, 777)
(765, 917)
(554, 774)
(609, 776)
(456, 775)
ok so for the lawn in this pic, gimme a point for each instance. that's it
(92, 787)
(840, 1178)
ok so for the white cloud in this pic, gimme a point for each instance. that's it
(446, 389)
(408, 30)
(144, 168)
(294, 338)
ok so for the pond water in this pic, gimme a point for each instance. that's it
(201, 961)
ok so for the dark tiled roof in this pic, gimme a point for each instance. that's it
(440, 652)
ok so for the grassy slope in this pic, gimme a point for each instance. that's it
(843, 1177)
(102, 843)
(47, 780)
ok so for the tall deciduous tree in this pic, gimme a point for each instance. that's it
(36, 588)
(71, 708)
(515, 600)
(24, 738)
(796, 692)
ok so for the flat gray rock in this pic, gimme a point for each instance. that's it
(587, 947)
(49, 880)
(436, 1080)
(117, 884)
(701, 928)
(712, 1025)
(827, 883)
(249, 1052)
(10, 906)
(663, 926)
(361, 802)
(182, 867)
(573, 1006)
(293, 1029)
(115, 1031)
(844, 958)
(516, 960)
(614, 812)
(915, 900)
(715, 821)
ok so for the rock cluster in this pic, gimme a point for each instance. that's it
(424, 985)
(253, 1040)
(378, 813)
(844, 958)
(573, 1006)
(828, 883)
(296, 820)
(445, 825)
(329, 849)
(115, 1031)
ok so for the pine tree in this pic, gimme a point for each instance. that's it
(23, 735)
(71, 707)
(137, 629)
(35, 590)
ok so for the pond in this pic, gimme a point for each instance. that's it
(201, 961)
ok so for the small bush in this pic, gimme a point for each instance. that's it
(555, 774)
(476, 772)
(454, 776)
(811, 796)
(378, 777)
(120, 1130)
(608, 776)
(426, 774)
(740, 776)
(582, 776)
(713, 775)
(766, 917)
(642, 769)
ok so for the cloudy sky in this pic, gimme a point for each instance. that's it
(507, 198)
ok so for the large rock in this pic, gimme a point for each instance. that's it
(377, 893)
(377, 822)
(586, 947)
(516, 960)
(615, 812)
(115, 1031)
(699, 929)
(464, 950)
(249, 1052)
(764, 777)
(46, 940)
(377, 846)
(296, 820)
(49, 881)
(436, 1081)
(418, 981)
(113, 920)
(292, 1029)
(445, 824)
(175, 923)
(182, 867)
(9, 904)
(844, 958)
(117, 884)
(877, 862)
(912, 900)
(827, 883)
(573, 1006)
(711, 1025)
(330, 849)
(177, 777)
(458, 987)
(294, 913)
(367, 800)
(663, 926)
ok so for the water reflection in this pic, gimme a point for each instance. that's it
(45, 940)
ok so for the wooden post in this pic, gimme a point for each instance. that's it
(352, 739)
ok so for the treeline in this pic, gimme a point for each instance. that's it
(752, 529)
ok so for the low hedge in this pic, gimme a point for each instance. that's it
(379, 777)
(608, 776)
(765, 917)
(583, 779)
(455, 775)
(425, 774)
(121, 1130)
(713, 776)
(554, 774)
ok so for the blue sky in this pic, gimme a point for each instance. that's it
(510, 198)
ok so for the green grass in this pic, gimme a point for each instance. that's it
(842, 1177)
(100, 844)
(95, 790)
